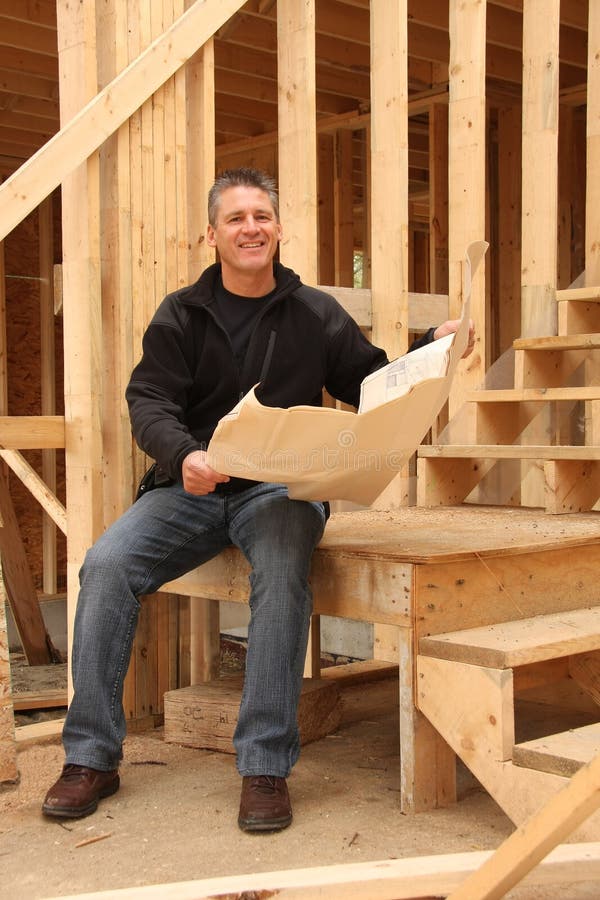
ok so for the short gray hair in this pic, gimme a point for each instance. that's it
(242, 177)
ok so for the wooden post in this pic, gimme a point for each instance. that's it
(592, 213)
(539, 256)
(297, 136)
(82, 320)
(438, 198)
(344, 214)
(541, 20)
(48, 379)
(466, 210)
(297, 126)
(200, 173)
(8, 746)
(389, 193)
(508, 320)
(326, 240)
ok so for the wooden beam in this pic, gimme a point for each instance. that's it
(532, 841)
(31, 432)
(37, 487)
(389, 879)
(86, 130)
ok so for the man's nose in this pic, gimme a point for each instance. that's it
(250, 223)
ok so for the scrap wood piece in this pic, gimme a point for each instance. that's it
(388, 879)
(528, 845)
(93, 840)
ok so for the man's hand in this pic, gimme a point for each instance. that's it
(449, 327)
(198, 477)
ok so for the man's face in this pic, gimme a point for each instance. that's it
(247, 231)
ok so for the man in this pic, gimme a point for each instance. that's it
(247, 320)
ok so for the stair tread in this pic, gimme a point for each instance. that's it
(540, 394)
(559, 342)
(510, 451)
(560, 754)
(520, 642)
(583, 294)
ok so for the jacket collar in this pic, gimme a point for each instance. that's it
(201, 293)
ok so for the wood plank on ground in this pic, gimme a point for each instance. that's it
(389, 879)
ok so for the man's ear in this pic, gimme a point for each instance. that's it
(279, 232)
(211, 239)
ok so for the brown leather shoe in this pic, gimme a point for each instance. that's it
(265, 804)
(77, 791)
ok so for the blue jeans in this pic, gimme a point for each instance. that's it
(164, 534)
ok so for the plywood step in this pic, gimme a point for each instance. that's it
(540, 395)
(508, 451)
(560, 754)
(520, 642)
(559, 342)
(583, 295)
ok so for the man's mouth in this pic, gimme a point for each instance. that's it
(251, 245)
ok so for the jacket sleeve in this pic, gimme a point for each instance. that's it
(157, 394)
(352, 357)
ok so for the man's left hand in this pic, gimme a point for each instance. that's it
(449, 327)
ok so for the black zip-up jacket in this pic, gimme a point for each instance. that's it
(187, 378)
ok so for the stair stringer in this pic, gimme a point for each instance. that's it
(472, 708)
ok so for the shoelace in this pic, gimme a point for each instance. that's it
(266, 785)
(72, 772)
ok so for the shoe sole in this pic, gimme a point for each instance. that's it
(69, 812)
(264, 825)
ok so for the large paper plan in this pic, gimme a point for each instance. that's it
(331, 454)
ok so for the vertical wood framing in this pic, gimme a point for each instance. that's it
(200, 143)
(592, 213)
(8, 747)
(438, 198)
(541, 20)
(297, 123)
(48, 380)
(326, 241)
(3, 347)
(200, 173)
(507, 321)
(344, 215)
(389, 193)
(81, 300)
(539, 256)
(389, 175)
(592, 210)
(466, 205)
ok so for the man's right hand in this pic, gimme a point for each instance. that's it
(198, 477)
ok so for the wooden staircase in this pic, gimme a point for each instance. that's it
(471, 682)
(548, 419)
(468, 683)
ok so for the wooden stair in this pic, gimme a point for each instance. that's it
(467, 685)
(553, 376)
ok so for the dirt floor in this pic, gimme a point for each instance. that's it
(174, 818)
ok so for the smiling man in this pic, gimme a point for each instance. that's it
(248, 320)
